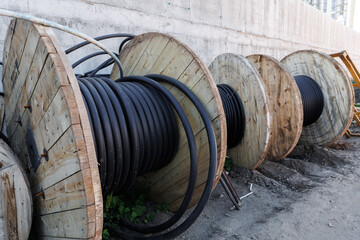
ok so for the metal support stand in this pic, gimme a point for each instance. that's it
(344, 56)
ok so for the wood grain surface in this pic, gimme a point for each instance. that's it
(16, 210)
(286, 105)
(240, 74)
(163, 54)
(337, 90)
(37, 73)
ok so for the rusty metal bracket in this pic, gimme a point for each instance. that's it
(344, 56)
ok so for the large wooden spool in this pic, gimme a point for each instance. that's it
(37, 73)
(338, 92)
(286, 105)
(155, 53)
(15, 197)
(241, 75)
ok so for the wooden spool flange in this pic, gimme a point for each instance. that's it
(338, 94)
(15, 197)
(240, 74)
(286, 105)
(48, 127)
(155, 53)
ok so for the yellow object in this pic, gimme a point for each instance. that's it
(344, 56)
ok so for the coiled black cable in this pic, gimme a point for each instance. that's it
(135, 131)
(135, 230)
(128, 116)
(103, 37)
(312, 98)
(235, 114)
(138, 100)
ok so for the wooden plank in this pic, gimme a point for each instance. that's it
(146, 60)
(15, 197)
(29, 50)
(8, 39)
(22, 97)
(133, 53)
(286, 105)
(64, 163)
(11, 67)
(66, 224)
(337, 90)
(162, 54)
(45, 90)
(241, 75)
(63, 196)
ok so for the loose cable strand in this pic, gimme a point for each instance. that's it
(63, 28)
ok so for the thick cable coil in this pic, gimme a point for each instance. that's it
(128, 115)
(312, 98)
(135, 131)
(235, 114)
(140, 101)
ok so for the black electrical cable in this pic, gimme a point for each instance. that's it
(109, 36)
(87, 58)
(235, 114)
(312, 98)
(103, 37)
(135, 131)
(105, 64)
(130, 92)
(128, 107)
(133, 230)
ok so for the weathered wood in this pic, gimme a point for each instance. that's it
(240, 74)
(286, 105)
(11, 69)
(162, 54)
(15, 197)
(58, 122)
(339, 96)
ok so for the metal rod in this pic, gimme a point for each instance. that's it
(228, 181)
(228, 192)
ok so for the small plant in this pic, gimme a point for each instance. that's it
(229, 163)
(149, 217)
(162, 208)
(132, 208)
(106, 234)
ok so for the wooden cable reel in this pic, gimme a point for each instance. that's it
(287, 105)
(52, 134)
(48, 126)
(15, 197)
(240, 74)
(163, 54)
(339, 96)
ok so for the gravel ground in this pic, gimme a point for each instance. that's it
(312, 194)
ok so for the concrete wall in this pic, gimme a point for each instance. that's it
(211, 27)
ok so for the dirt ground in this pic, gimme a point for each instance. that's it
(312, 194)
